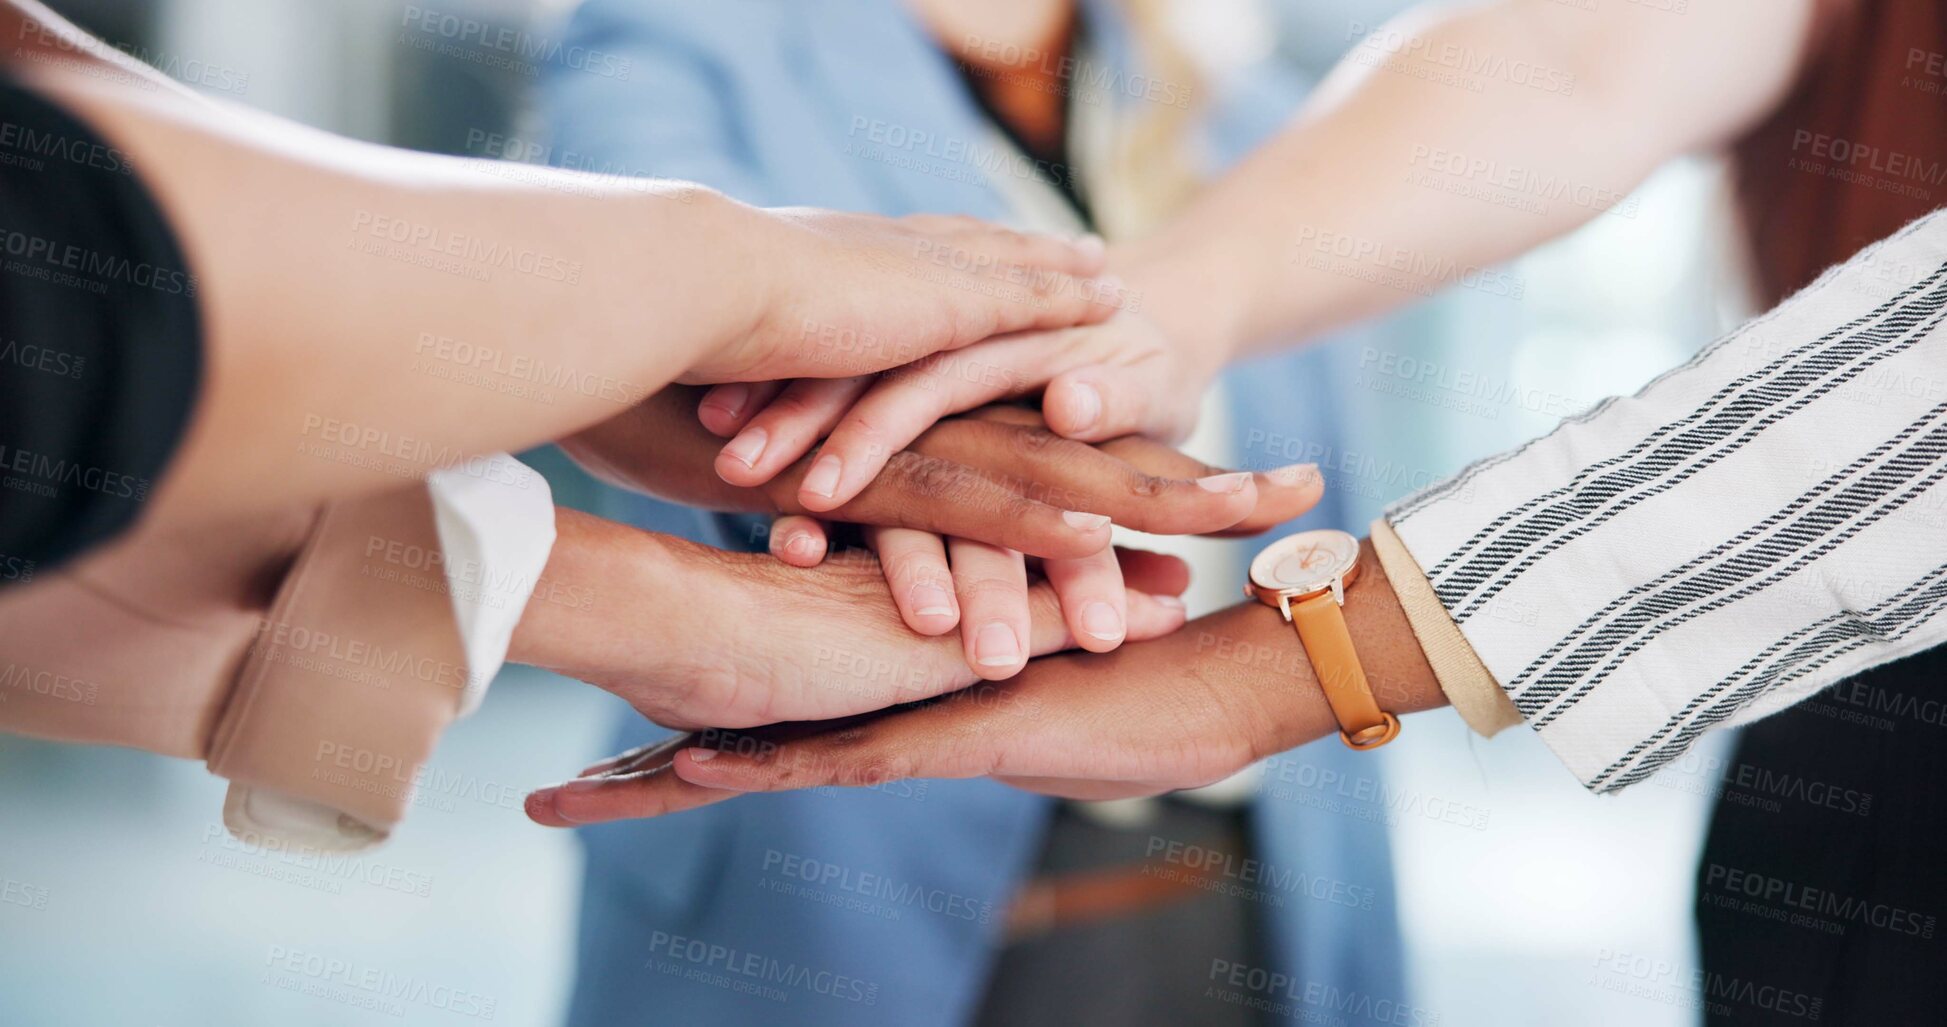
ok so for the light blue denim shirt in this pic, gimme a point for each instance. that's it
(771, 102)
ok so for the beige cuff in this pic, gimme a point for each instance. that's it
(355, 673)
(1475, 695)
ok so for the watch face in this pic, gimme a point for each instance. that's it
(1305, 562)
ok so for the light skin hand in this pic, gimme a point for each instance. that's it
(691, 636)
(1177, 712)
(1125, 376)
(995, 477)
(937, 283)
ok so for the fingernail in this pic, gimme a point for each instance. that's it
(1225, 483)
(931, 601)
(1172, 602)
(1088, 405)
(538, 803)
(702, 755)
(996, 646)
(1296, 474)
(1092, 245)
(800, 545)
(1101, 620)
(1084, 521)
(747, 446)
(823, 479)
(730, 399)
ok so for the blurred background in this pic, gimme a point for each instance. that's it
(145, 912)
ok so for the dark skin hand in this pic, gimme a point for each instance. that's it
(1177, 712)
(997, 476)
(952, 516)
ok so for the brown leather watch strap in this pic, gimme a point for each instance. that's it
(1321, 629)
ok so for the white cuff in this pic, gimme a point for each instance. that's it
(496, 527)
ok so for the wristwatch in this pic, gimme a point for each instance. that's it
(1304, 576)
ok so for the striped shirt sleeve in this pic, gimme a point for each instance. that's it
(1748, 529)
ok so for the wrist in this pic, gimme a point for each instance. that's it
(1250, 653)
(1192, 303)
(606, 591)
(748, 255)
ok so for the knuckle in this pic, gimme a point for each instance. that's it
(1143, 485)
(976, 588)
(1035, 443)
(874, 769)
(934, 479)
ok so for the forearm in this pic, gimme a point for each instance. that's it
(1448, 141)
(388, 313)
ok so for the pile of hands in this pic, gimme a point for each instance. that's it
(974, 408)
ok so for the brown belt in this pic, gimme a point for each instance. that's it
(1049, 904)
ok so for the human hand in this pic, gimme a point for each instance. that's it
(846, 294)
(952, 516)
(690, 635)
(991, 580)
(1124, 376)
(1177, 712)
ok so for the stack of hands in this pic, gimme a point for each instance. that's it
(943, 644)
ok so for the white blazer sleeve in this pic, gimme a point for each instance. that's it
(1748, 529)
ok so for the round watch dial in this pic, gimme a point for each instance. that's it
(1305, 562)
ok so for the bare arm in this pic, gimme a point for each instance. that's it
(371, 314)
(1447, 140)
(1385, 166)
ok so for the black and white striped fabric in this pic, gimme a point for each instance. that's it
(1749, 528)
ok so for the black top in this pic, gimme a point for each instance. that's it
(100, 344)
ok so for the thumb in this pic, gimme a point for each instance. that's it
(1106, 401)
